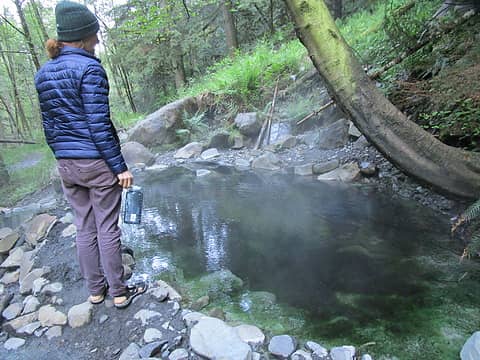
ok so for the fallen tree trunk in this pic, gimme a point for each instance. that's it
(449, 170)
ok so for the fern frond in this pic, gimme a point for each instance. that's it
(472, 212)
(473, 248)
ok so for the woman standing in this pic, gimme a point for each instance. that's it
(73, 93)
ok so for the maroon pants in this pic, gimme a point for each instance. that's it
(95, 196)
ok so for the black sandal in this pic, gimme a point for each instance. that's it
(132, 292)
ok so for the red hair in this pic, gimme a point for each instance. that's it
(53, 47)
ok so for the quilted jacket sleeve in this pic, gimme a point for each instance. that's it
(94, 93)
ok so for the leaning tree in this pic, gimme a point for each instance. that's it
(412, 149)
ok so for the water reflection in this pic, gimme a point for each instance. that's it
(324, 247)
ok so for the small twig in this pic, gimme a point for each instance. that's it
(270, 118)
(330, 103)
(15, 141)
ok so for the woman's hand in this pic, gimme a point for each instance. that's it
(125, 179)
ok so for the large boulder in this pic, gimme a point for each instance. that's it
(220, 283)
(135, 153)
(248, 124)
(159, 127)
(334, 135)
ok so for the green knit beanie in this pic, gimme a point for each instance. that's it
(74, 21)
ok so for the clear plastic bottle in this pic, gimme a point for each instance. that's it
(132, 207)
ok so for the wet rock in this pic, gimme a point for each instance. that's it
(268, 161)
(13, 343)
(248, 124)
(214, 339)
(134, 153)
(14, 259)
(209, 154)
(10, 277)
(303, 170)
(318, 350)
(69, 231)
(258, 301)
(282, 346)
(152, 349)
(80, 315)
(250, 334)
(8, 241)
(53, 332)
(346, 173)
(471, 348)
(342, 353)
(12, 311)
(333, 136)
(200, 303)
(188, 151)
(38, 228)
(31, 304)
(178, 354)
(49, 316)
(301, 355)
(367, 168)
(29, 329)
(325, 166)
(152, 334)
(220, 283)
(130, 353)
(145, 315)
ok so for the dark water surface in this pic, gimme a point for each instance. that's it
(341, 253)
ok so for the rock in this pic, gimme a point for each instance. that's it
(26, 284)
(282, 346)
(49, 316)
(130, 353)
(303, 170)
(134, 153)
(242, 164)
(52, 288)
(192, 318)
(14, 259)
(342, 353)
(301, 355)
(80, 315)
(13, 343)
(145, 315)
(251, 335)
(361, 143)
(10, 277)
(318, 350)
(309, 138)
(12, 311)
(67, 218)
(238, 142)
(248, 124)
(214, 339)
(159, 293)
(334, 135)
(21, 321)
(286, 142)
(268, 161)
(200, 303)
(53, 332)
(188, 151)
(8, 241)
(258, 301)
(26, 264)
(103, 318)
(220, 283)
(172, 294)
(4, 232)
(325, 166)
(31, 304)
(152, 349)
(152, 334)
(471, 348)
(220, 140)
(353, 130)
(38, 228)
(159, 127)
(346, 173)
(367, 168)
(209, 154)
(156, 168)
(128, 259)
(29, 329)
(179, 354)
(69, 231)
(366, 357)
(38, 284)
(217, 313)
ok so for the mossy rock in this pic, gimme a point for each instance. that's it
(221, 283)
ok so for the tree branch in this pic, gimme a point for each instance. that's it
(11, 24)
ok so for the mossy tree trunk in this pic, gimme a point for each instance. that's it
(4, 177)
(413, 150)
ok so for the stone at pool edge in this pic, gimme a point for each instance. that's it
(471, 348)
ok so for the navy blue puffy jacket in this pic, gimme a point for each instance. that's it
(73, 93)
